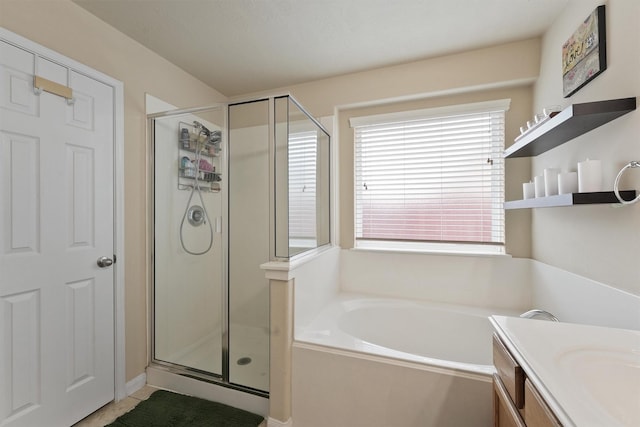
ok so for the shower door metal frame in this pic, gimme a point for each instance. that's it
(223, 379)
(272, 177)
(218, 379)
(272, 166)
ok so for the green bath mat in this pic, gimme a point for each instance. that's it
(167, 409)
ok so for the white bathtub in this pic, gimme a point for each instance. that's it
(439, 335)
(380, 362)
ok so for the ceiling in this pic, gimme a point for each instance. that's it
(244, 46)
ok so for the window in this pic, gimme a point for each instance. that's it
(432, 175)
(302, 186)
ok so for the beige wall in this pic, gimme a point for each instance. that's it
(599, 241)
(511, 64)
(68, 29)
(248, 223)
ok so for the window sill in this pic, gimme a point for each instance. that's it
(432, 248)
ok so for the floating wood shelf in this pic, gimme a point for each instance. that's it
(570, 200)
(573, 121)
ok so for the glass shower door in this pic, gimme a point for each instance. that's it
(188, 204)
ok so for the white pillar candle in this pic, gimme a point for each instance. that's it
(528, 190)
(589, 176)
(568, 183)
(551, 181)
(538, 183)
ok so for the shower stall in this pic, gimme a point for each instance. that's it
(233, 186)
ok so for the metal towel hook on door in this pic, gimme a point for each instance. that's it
(41, 84)
(631, 165)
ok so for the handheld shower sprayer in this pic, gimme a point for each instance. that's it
(191, 212)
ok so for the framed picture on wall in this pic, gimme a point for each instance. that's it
(584, 54)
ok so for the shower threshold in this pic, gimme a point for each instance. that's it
(206, 386)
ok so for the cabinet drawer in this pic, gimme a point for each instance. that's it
(536, 411)
(505, 414)
(509, 371)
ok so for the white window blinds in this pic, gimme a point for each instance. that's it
(302, 184)
(432, 175)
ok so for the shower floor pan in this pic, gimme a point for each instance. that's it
(248, 356)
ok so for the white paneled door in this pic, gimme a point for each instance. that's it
(56, 221)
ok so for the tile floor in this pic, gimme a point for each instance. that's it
(108, 413)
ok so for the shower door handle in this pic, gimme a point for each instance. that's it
(104, 262)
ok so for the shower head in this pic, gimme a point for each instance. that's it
(201, 128)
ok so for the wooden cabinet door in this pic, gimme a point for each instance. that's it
(536, 411)
(505, 412)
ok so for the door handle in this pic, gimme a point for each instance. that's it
(104, 262)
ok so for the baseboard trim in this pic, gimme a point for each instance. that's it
(272, 422)
(136, 384)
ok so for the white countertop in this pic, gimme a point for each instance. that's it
(588, 375)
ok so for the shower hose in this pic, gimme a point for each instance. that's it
(194, 189)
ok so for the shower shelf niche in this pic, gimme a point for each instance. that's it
(208, 178)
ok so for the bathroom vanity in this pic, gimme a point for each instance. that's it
(562, 374)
